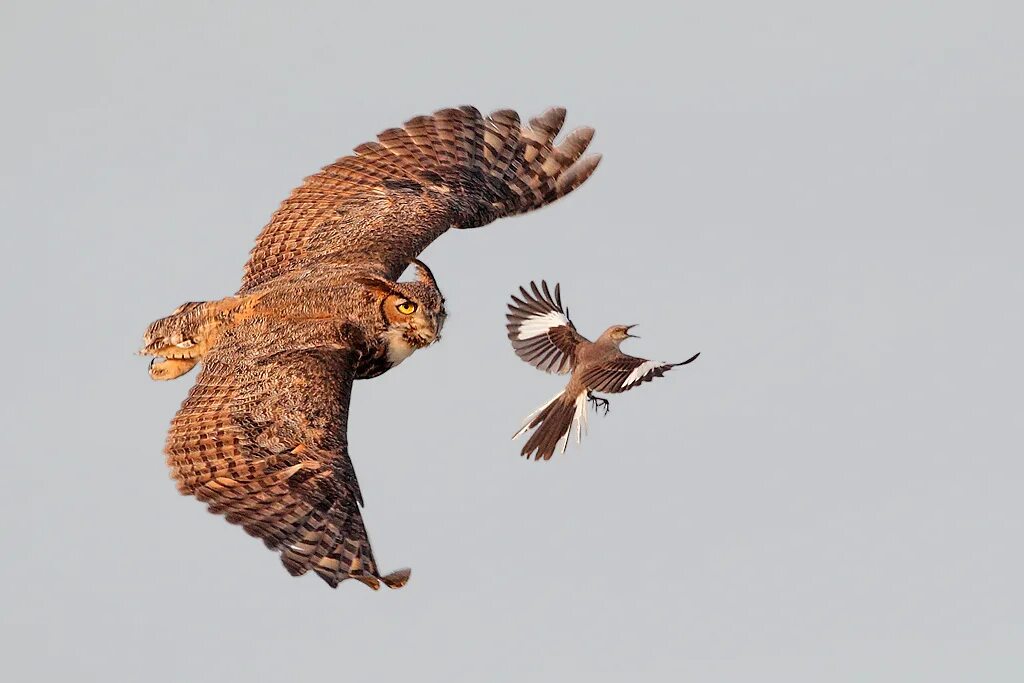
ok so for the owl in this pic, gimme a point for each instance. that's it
(262, 436)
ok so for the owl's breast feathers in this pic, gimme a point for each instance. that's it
(384, 352)
(374, 359)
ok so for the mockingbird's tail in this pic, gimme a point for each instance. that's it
(554, 422)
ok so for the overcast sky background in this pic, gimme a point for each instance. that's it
(823, 199)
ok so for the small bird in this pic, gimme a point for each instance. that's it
(543, 335)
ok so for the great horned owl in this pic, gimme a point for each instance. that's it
(543, 335)
(261, 437)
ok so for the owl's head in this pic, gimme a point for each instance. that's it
(413, 311)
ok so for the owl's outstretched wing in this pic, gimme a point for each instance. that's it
(261, 439)
(624, 372)
(455, 169)
(540, 330)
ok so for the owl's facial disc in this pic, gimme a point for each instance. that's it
(411, 321)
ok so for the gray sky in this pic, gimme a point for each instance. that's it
(824, 201)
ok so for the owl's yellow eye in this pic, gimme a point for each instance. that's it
(406, 308)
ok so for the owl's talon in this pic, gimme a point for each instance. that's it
(170, 368)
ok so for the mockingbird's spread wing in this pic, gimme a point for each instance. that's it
(540, 330)
(261, 439)
(383, 205)
(623, 372)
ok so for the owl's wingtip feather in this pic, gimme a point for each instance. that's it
(398, 578)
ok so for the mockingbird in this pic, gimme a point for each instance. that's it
(543, 336)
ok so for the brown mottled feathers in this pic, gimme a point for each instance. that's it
(540, 330)
(187, 334)
(261, 439)
(383, 205)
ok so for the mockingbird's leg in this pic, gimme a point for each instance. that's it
(599, 402)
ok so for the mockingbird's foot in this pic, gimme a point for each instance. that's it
(599, 403)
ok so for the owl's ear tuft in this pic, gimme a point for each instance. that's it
(379, 285)
(424, 275)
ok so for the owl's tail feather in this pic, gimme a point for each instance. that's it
(180, 340)
(329, 539)
(554, 422)
(501, 166)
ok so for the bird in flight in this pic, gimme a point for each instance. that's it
(543, 335)
(262, 436)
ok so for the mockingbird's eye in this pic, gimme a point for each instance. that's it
(406, 308)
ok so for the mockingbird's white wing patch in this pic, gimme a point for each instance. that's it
(540, 330)
(624, 372)
(643, 370)
(536, 325)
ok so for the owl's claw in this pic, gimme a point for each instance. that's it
(170, 368)
(599, 403)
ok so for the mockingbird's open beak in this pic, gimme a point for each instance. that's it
(628, 328)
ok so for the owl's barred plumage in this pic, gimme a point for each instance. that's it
(262, 436)
(385, 204)
(543, 335)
